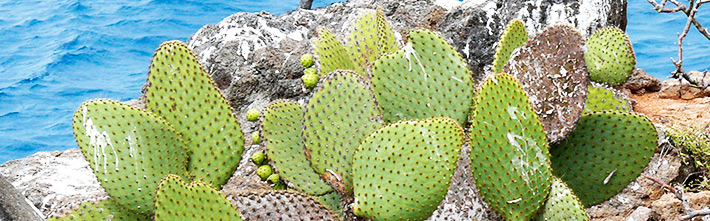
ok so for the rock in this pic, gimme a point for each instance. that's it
(641, 213)
(14, 205)
(681, 88)
(640, 82)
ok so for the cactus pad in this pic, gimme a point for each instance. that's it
(601, 97)
(610, 56)
(176, 200)
(513, 37)
(279, 205)
(427, 78)
(509, 152)
(604, 153)
(283, 125)
(370, 37)
(129, 150)
(550, 67)
(332, 55)
(101, 210)
(185, 96)
(402, 171)
(341, 113)
(562, 204)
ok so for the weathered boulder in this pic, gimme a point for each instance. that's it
(640, 82)
(681, 88)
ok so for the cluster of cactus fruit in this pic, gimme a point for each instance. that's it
(381, 135)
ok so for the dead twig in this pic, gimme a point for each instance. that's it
(689, 212)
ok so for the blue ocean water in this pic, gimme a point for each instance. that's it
(55, 54)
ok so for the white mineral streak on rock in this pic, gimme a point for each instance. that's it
(592, 13)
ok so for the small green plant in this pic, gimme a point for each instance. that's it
(695, 150)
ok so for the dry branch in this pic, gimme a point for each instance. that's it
(678, 191)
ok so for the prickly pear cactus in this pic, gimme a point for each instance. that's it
(177, 200)
(427, 78)
(185, 96)
(550, 67)
(128, 150)
(279, 205)
(370, 37)
(332, 55)
(513, 37)
(606, 151)
(402, 171)
(562, 204)
(283, 125)
(101, 210)
(601, 97)
(610, 56)
(341, 113)
(509, 152)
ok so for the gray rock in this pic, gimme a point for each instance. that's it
(640, 82)
(641, 213)
(680, 88)
(14, 205)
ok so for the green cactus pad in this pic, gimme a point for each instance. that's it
(279, 205)
(402, 171)
(562, 204)
(601, 97)
(370, 38)
(176, 200)
(427, 78)
(283, 128)
(331, 200)
(341, 113)
(129, 150)
(610, 56)
(185, 96)
(513, 37)
(101, 210)
(606, 151)
(509, 152)
(550, 68)
(332, 55)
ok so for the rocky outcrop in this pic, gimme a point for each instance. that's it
(640, 82)
(681, 88)
(14, 205)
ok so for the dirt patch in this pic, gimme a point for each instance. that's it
(674, 112)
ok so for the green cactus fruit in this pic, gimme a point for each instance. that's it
(185, 96)
(312, 71)
(610, 56)
(509, 152)
(283, 123)
(370, 38)
(279, 205)
(264, 171)
(258, 158)
(332, 55)
(310, 80)
(101, 210)
(255, 137)
(307, 60)
(279, 186)
(562, 204)
(403, 171)
(129, 150)
(550, 67)
(512, 38)
(253, 115)
(427, 78)
(176, 200)
(606, 151)
(602, 97)
(341, 113)
(273, 178)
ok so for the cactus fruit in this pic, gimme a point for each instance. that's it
(550, 68)
(253, 115)
(176, 200)
(602, 97)
(273, 178)
(129, 150)
(258, 158)
(264, 171)
(283, 123)
(512, 38)
(183, 94)
(310, 80)
(562, 204)
(427, 78)
(610, 57)
(101, 210)
(279, 205)
(311, 71)
(509, 152)
(332, 55)
(606, 151)
(307, 60)
(255, 138)
(341, 113)
(402, 171)
(370, 38)
(279, 186)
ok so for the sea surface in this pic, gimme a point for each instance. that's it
(56, 54)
